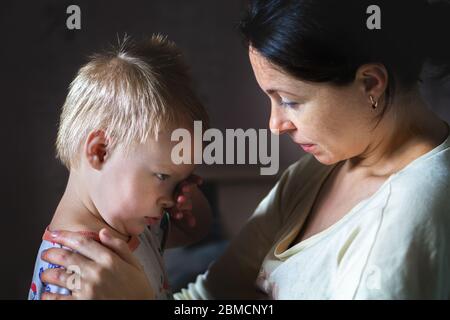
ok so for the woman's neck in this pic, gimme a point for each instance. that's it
(408, 130)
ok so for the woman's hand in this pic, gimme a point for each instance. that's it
(183, 207)
(104, 271)
(191, 217)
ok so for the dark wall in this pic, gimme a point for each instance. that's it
(39, 57)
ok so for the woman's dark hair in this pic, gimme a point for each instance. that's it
(327, 40)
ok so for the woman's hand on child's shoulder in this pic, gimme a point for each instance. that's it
(98, 271)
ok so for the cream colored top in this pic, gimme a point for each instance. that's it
(394, 244)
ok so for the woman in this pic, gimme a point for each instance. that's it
(366, 213)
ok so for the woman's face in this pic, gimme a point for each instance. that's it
(336, 120)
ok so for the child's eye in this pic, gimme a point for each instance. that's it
(162, 176)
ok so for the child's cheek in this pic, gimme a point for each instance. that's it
(116, 203)
(135, 204)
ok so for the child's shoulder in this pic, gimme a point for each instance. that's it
(88, 229)
(37, 286)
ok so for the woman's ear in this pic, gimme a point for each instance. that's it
(372, 79)
(96, 148)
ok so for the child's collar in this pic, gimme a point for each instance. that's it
(133, 243)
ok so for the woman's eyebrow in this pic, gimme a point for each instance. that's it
(274, 90)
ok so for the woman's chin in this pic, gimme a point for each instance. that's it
(325, 159)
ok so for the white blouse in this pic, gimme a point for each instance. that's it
(394, 244)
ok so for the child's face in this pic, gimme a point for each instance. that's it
(131, 191)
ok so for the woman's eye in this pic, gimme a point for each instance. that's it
(286, 103)
(162, 176)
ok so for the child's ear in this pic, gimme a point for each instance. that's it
(96, 148)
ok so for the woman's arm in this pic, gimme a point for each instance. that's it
(233, 275)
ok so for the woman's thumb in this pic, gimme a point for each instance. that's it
(119, 246)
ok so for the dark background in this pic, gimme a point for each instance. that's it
(39, 57)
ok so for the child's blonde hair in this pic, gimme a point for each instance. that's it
(130, 92)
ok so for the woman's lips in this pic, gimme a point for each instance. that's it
(307, 147)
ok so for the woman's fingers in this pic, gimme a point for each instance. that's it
(58, 277)
(184, 203)
(186, 189)
(84, 245)
(191, 182)
(183, 206)
(195, 179)
(187, 205)
(55, 296)
(184, 215)
(191, 219)
(64, 258)
(181, 199)
(120, 247)
(106, 270)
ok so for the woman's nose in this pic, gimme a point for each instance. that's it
(278, 122)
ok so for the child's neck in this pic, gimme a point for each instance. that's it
(76, 212)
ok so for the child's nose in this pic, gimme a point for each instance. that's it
(167, 203)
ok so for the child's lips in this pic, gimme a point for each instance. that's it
(152, 220)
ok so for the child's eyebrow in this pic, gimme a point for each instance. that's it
(169, 171)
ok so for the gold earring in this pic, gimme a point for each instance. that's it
(374, 103)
